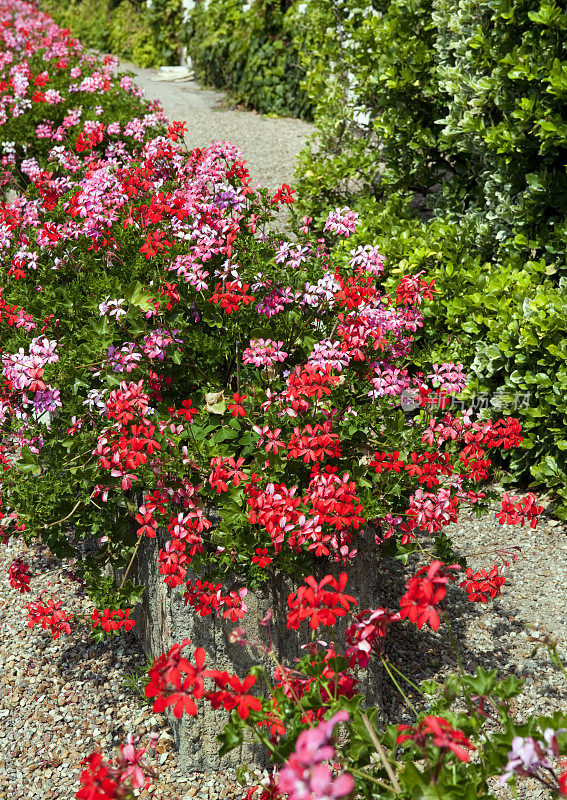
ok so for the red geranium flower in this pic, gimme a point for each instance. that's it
(321, 606)
(236, 407)
(424, 592)
(261, 558)
(444, 736)
(480, 585)
(285, 195)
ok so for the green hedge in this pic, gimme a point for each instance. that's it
(148, 37)
(248, 50)
(452, 138)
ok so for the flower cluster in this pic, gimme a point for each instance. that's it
(58, 96)
(480, 586)
(207, 598)
(305, 773)
(440, 733)
(425, 591)
(175, 681)
(342, 221)
(49, 615)
(113, 620)
(264, 353)
(19, 576)
(319, 604)
(367, 634)
(531, 758)
(113, 780)
(518, 511)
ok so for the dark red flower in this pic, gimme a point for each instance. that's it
(261, 558)
(234, 695)
(19, 575)
(285, 195)
(176, 130)
(97, 784)
(236, 407)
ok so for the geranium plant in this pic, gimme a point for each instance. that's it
(177, 364)
(170, 360)
(464, 731)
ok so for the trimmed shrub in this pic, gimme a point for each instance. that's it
(452, 140)
(248, 50)
(131, 37)
(88, 20)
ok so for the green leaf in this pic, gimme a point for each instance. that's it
(482, 682)
(100, 326)
(445, 552)
(231, 737)
(28, 464)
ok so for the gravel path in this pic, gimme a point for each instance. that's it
(61, 699)
(270, 145)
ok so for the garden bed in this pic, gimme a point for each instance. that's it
(232, 420)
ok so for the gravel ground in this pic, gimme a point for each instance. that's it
(61, 699)
(270, 144)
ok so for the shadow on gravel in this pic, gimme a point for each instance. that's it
(426, 655)
(84, 660)
(88, 665)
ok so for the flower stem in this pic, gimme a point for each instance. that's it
(405, 677)
(366, 776)
(382, 754)
(70, 514)
(398, 687)
(130, 564)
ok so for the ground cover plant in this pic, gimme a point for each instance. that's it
(169, 362)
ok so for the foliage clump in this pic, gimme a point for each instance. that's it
(445, 123)
(248, 49)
